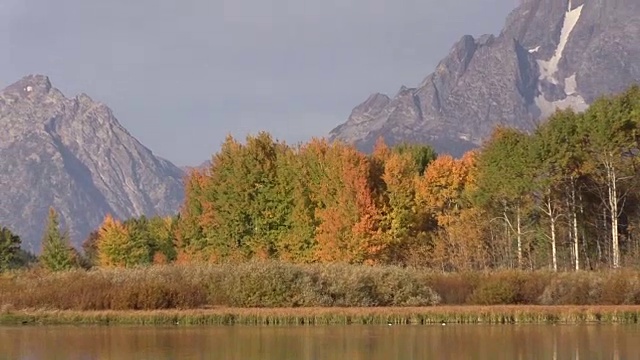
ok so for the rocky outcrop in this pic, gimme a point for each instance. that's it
(551, 54)
(74, 155)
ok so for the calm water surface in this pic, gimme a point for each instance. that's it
(331, 342)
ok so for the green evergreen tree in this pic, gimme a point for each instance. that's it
(140, 238)
(24, 259)
(162, 237)
(422, 155)
(9, 249)
(90, 249)
(56, 251)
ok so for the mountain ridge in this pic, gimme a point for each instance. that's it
(74, 155)
(550, 54)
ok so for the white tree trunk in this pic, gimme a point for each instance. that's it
(507, 235)
(585, 245)
(552, 219)
(518, 231)
(613, 207)
(519, 237)
(574, 218)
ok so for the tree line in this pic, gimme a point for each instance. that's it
(564, 196)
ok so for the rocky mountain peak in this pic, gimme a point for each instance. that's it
(375, 101)
(550, 54)
(31, 88)
(73, 154)
(30, 85)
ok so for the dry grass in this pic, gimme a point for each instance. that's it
(244, 285)
(278, 285)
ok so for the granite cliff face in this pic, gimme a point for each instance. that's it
(551, 54)
(74, 155)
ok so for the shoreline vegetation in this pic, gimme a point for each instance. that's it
(537, 220)
(436, 315)
(276, 293)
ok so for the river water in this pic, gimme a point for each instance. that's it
(327, 342)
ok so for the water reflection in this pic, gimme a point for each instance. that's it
(337, 342)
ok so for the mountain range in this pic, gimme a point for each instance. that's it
(550, 54)
(74, 155)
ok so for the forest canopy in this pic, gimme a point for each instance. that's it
(563, 196)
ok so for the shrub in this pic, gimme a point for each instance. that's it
(274, 284)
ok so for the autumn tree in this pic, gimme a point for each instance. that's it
(443, 193)
(297, 170)
(270, 196)
(400, 221)
(56, 249)
(558, 195)
(243, 213)
(393, 171)
(188, 233)
(162, 240)
(118, 248)
(253, 201)
(346, 212)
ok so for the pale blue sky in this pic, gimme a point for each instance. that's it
(182, 74)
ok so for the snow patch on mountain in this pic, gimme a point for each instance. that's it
(547, 108)
(570, 85)
(549, 68)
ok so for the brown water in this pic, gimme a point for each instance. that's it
(335, 342)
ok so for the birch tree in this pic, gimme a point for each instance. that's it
(557, 158)
(504, 179)
(611, 133)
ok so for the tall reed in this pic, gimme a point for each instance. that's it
(436, 315)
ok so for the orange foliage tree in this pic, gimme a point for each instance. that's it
(442, 193)
(345, 210)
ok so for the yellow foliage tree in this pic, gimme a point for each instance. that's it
(442, 194)
(116, 248)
